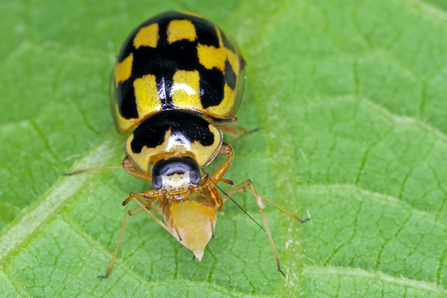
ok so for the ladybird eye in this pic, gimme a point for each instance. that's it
(157, 182)
(195, 177)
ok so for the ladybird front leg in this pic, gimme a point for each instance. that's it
(91, 170)
(130, 169)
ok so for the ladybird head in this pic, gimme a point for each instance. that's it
(175, 174)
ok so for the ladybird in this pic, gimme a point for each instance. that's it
(177, 84)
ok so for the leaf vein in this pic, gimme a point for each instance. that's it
(374, 275)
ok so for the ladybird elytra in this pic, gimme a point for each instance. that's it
(176, 61)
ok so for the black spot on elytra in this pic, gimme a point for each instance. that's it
(212, 89)
(126, 100)
(164, 60)
(206, 33)
(184, 126)
(230, 76)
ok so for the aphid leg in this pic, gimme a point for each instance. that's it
(146, 203)
(248, 185)
(227, 181)
(142, 202)
(129, 213)
(243, 187)
(217, 199)
(284, 210)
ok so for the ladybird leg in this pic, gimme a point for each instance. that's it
(91, 169)
(219, 122)
(232, 130)
(225, 150)
(129, 213)
(129, 168)
(248, 185)
(126, 165)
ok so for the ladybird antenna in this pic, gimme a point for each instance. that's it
(240, 207)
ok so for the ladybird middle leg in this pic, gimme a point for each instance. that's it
(232, 131)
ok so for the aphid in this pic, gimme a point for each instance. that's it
(179, 82)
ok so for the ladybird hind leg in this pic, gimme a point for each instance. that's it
(248, 186)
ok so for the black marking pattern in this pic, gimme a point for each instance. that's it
(184, 127)
(230, 76)
(164, 60)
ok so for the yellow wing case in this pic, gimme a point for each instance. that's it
(176, 61)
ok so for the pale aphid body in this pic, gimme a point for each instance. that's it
(192, 222)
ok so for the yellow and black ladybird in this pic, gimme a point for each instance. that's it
(179, 81)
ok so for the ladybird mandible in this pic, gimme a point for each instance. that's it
(178, 81)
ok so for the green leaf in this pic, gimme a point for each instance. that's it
(351, 96)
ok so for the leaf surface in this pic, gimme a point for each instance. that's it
(351, 96)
